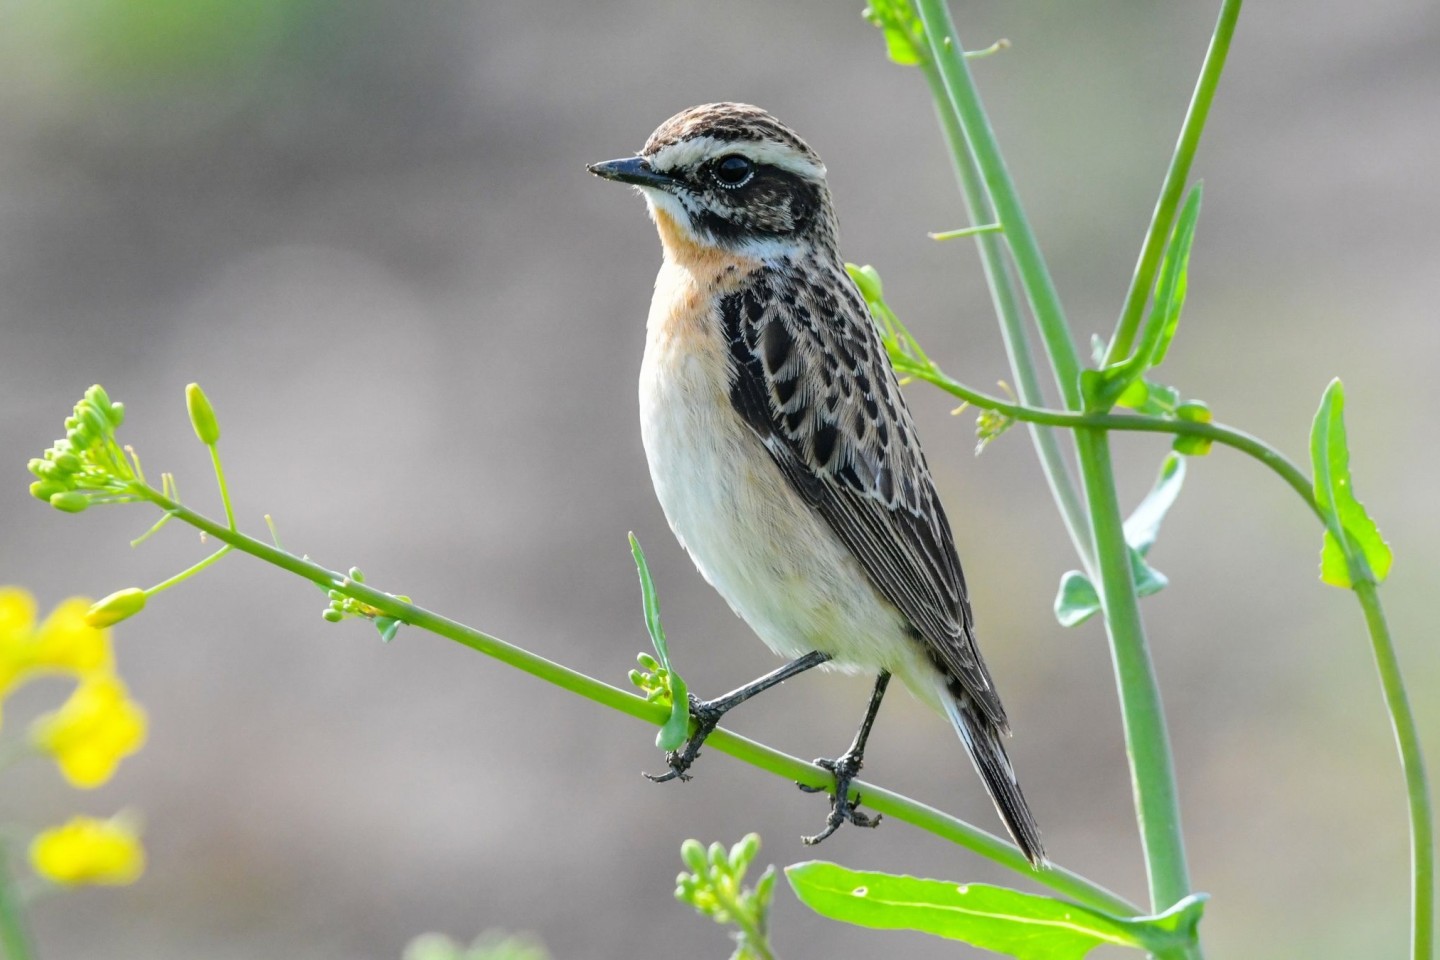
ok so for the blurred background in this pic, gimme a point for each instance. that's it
(367, 229)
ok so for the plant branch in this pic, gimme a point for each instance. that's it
(1173, 187)
(756, 754)
(1012, 328)
(1412, 762)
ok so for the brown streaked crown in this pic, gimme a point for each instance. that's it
(726, 122)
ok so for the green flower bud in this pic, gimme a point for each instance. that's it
(648, 662)
(45, 489)
(693, 853)
(44, 469)
(717, 855)
(744, 851)
(202, 415)
(1193, 410)
(1192, 446)
(116, 413)
(67, 462)
(331, 615)
(357, 575)
(95, 421)
(120, 605)
(70, 501)
(97, 395)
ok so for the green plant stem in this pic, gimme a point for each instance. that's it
(14, 938)
(1012, 328)
(758, 755)
(1173, 187)
(224, 488)
(1147, 741)
(1157, 804)
(1412, 762)
(189, 572)
(754, 937)
(964, 99)
(1229, 436)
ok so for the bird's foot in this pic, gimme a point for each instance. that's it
(842, 808)
(705, 716)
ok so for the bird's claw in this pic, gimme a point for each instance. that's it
(842, 808)
(706, 719)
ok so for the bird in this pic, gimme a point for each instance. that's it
(783, 454)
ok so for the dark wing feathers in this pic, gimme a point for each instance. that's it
(810, 377)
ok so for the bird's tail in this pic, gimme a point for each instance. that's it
(982, 740)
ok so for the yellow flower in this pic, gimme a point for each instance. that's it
(17, 623)
(89, 850)
(90, 733)
(66, 642)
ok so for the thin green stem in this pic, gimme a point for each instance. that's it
(964, 99)
(1173, 188)
(224, 488)
(758, 755)
(189, 572)
(14, 937)
(1412, 762)
(1157, 804)
(966, 232)
(1228, 436)
(754, 936)
(1006, 298)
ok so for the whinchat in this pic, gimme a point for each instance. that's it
(781, 448)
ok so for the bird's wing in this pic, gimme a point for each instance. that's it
(810, 376)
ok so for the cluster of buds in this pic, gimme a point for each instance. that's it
(652, 679)
(342, 607)
(714, 886)
(87, 465)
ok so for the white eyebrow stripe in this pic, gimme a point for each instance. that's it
(695, 150)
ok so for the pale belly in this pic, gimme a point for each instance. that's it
(769, 554)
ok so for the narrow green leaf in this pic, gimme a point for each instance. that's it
(1353, 545)
(1020, 925)
(1142, 526)
(1174, 275)
(675, 730)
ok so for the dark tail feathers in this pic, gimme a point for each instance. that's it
(987, 752)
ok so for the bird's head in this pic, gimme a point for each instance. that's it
(730, 176)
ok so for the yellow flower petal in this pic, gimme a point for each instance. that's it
(93, 730)
(89, 850)
(17, 614)
(66, 642)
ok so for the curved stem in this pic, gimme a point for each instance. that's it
(1228, 436)
(1173, 188)
(964, 100)
(766, 758)
(1412, 762)
(1012, 328)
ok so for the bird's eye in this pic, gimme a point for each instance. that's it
(734, 171)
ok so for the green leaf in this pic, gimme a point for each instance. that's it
(1077, 600)
(674, 731)
(1353, 546)
(1174, 274)
(388, 627)
(1020, 925)
(1142, 526)
(1103, 388)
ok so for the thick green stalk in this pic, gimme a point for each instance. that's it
(1012, 326)
(1161, 221)
(14, 939)
(1412, 761)
(1147, 741)
(1157, 805)
(758, 755)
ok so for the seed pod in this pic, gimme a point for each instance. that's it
(120, 605)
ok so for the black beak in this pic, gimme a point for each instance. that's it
(634, 170)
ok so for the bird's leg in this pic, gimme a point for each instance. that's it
(707, 713)
(845, 768)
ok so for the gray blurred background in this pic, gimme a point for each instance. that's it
(367, 229)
